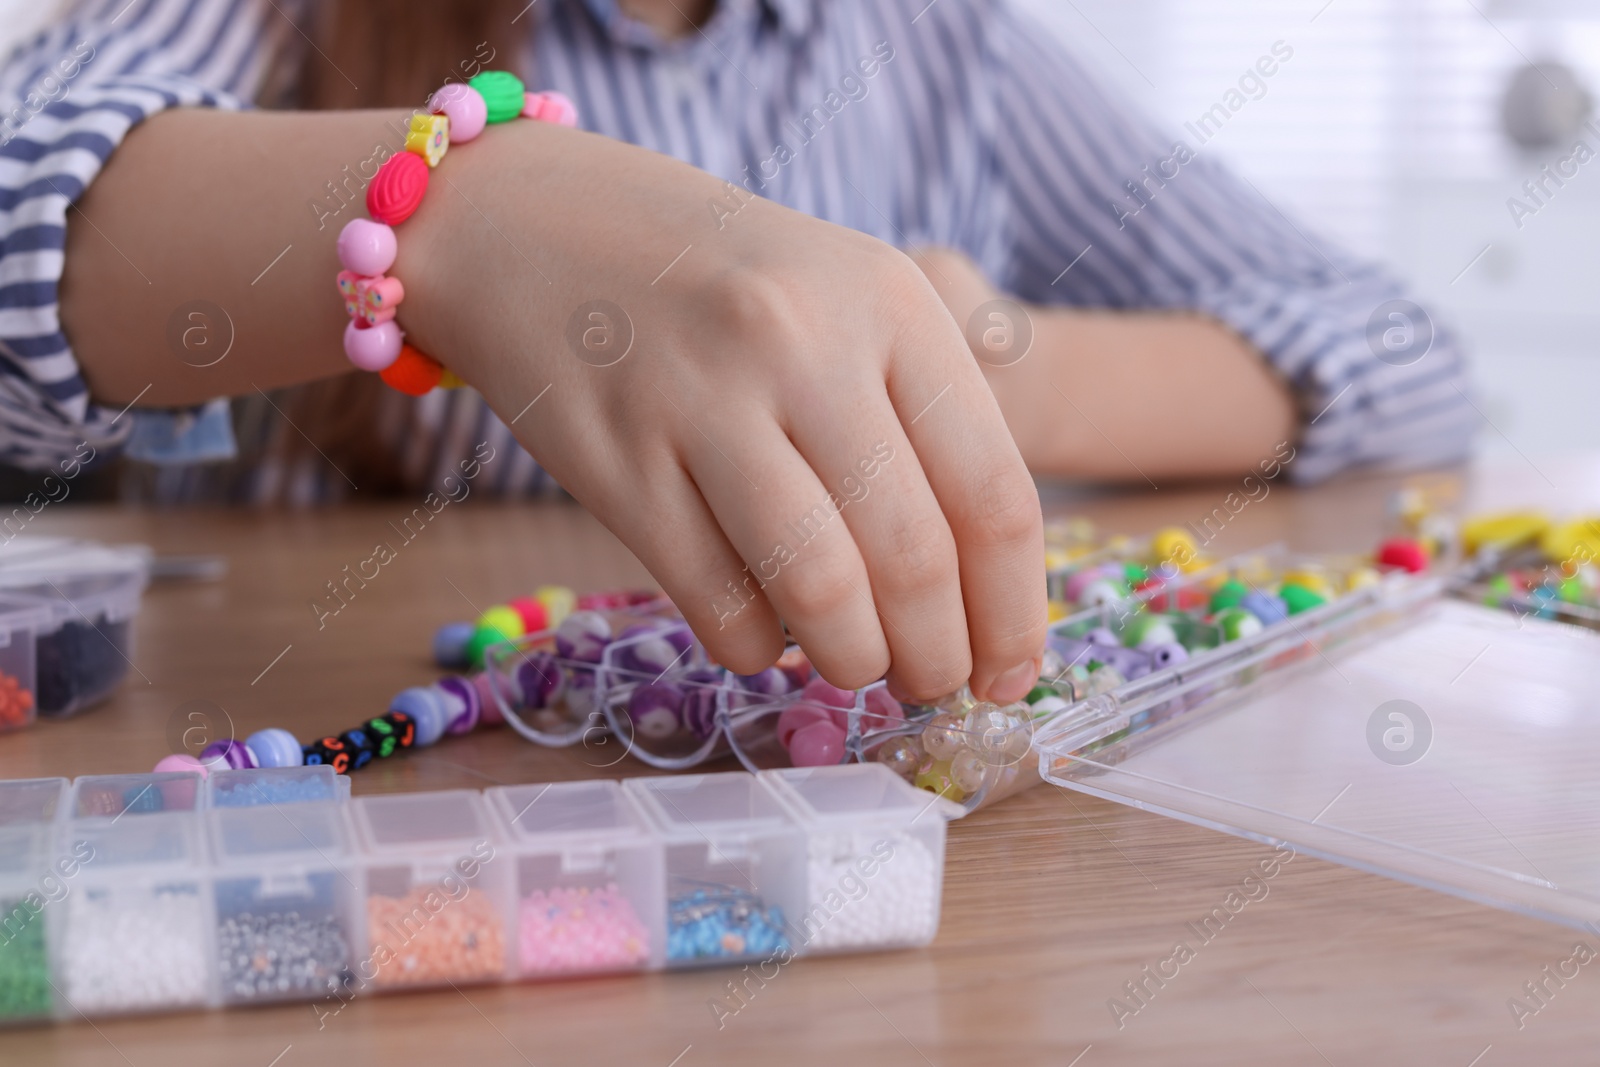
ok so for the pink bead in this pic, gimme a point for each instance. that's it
(841, 701)
(464, 107)
(550, 106)
(490, 715)
(798, 716)
(182, 763)
(368, 248)
(377, 299)
(373, 348)
(819, 745)
(882, 711)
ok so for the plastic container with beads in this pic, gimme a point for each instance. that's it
(273, 786)
(21, 619)
(438, 907)
(288, 902)
(135, 933)
(875, 856)
(735, 868)
(84, 648)
(33, 881)
(589, 881)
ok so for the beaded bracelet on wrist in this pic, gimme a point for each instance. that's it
(367, 248)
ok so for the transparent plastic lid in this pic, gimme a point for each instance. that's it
(590, 811)
(1439, 742)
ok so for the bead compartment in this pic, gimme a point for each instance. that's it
(589, 879)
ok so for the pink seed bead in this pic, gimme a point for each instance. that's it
(464, 107)
(819, 745)
(373, 348)
(368, 248)
(550, 106)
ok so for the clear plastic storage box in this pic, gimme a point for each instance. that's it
(1439, 742)
(438, 890)
(288, 905)
(874, 856)
(735, 867)
(135, 932)
(90, 593)
(590, 890)
(21, 620)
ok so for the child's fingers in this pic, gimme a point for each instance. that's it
(771, 506)
(883, 497)
(669, 526)
(992, 507)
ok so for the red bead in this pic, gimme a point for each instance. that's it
(534, 617)
(397, 188)
(412, 372)
(1403, 553)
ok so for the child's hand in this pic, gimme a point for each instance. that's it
(777, 415)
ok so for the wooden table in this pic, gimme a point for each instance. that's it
(1052, 900)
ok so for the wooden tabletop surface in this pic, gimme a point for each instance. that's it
(1053, 901)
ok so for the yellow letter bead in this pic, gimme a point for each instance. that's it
(429, 137)
(1175, 545)
(1503, 530)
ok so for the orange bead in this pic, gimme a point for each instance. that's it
(412, 372)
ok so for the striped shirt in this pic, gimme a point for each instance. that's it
(960, 123)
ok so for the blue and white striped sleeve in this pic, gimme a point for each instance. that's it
(1106, 210)
(67, 99)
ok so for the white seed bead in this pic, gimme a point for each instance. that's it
(869, 888)
(125, 950)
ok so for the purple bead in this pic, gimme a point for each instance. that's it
(1167, 655)
(232, 754)
(700, 702)
(653, 647)
(466, 707)
(1102, 635)
(1131, 663)
(540, 678)
(770, 682)
(656, 710)
(583, 635)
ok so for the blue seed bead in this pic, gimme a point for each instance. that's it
(275, 748)
(450, 645)
(427, 709)
(1266, 607)
(140, 798)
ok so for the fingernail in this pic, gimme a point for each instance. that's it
(1014, 684)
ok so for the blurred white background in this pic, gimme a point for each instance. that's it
(1384, 133)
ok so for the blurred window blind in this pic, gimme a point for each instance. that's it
(1378, 93)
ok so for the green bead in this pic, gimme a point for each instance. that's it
(1571, 591)
(1038, 693)
(1228, 595)
(24, 968)
(502, 91)
(1298, 598)
(1135, 572)
(1236, 623)
(481, 639)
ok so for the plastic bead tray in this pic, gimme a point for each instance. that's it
(155, 892)
(1399, 731)
(970, 753)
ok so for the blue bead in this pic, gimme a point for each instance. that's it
(1264, 606)
(450, 645)
(275, 748)
(426, 709)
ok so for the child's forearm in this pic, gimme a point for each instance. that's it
(218, 207)
(1126, 397)
(1117, 396)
